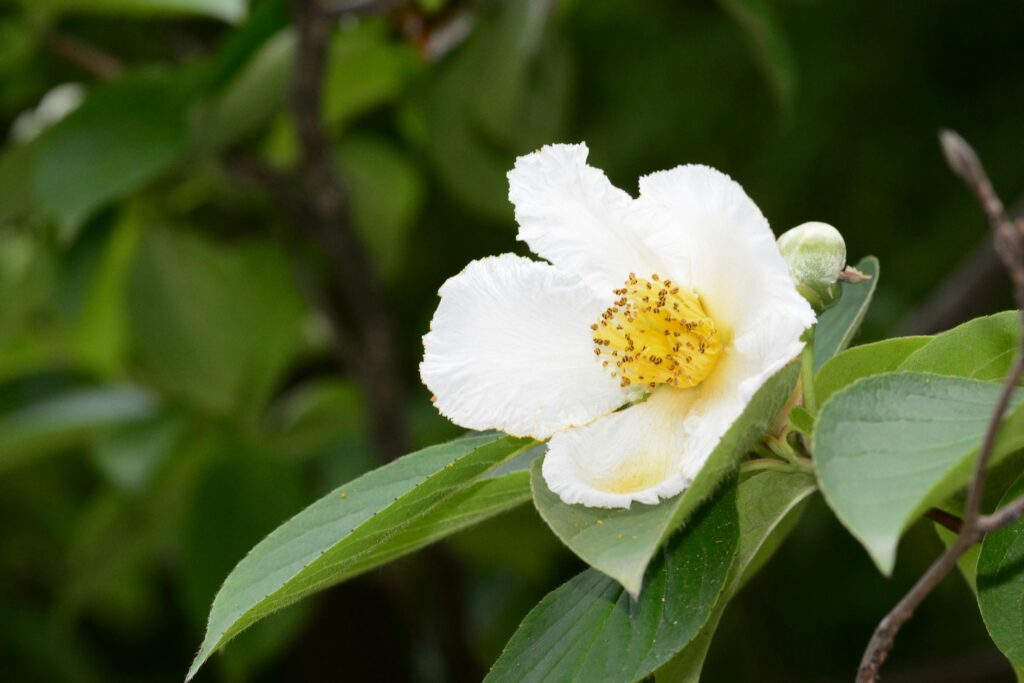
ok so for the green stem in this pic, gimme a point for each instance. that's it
(766, 464)
(807, 374)
(783, 450)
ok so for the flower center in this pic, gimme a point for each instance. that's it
(656, 333)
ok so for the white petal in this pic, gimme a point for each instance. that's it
(510, 348)
(634, 455)
(570, 214)
(663, 442)
(712, 237)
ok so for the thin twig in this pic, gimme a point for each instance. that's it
(1002, 517)
(86, 57)
(943, 518)
(1009, 240)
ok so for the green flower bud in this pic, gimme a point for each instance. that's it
(816, 254)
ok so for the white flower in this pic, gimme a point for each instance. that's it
(640, 342)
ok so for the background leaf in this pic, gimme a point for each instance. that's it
(591, 629)
(123, 136)
(620, 543)
(67, 418)
(891, 446)
(838, 325)
(365, 69)
(387, 195)
(205, 329)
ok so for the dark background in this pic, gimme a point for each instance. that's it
(174, 380)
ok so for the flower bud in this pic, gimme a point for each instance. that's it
(816, 254)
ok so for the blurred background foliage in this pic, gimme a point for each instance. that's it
(173, 384)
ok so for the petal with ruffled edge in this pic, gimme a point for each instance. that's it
(570, 214)
(723, 397)
(655, 449)
(634, 455)
(510, 348)
(712, 237)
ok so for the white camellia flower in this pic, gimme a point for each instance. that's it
(640, 342)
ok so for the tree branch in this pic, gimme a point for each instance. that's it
(356, 285)
(86, 57)
(943, 518)
(1009, 241)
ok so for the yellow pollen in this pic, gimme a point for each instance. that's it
(656, 333)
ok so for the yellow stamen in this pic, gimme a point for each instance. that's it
(657, 333)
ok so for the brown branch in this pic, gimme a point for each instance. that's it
(943, 518)
(316, 200)
(1002, 517)
(356, 287)
(1009, 240)
(86, 57)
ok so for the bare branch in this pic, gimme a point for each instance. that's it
(358, 288)
(1002, 517)
(86, 57)
(943, 518)
(1010, 248)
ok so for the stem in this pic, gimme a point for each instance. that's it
(782, 449)
(807, 373)
(943, 518)
(766, 464)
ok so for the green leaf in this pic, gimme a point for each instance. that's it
(891, 446)
(505, 92)
(982, 348)
(769, 44)
(801, 420)
(366, 68)
(100, 325)
(862, 361)
(1000, 583)
(769, 505)
(314, 418)
(386, 513)
(621, 543)
(838, 325)
(591, 629)
(227, 10)
(16, 163)
(213, 324)
(130, 454)
(239, 47)
(67, 418)
(387, 192)
(123, 136)
(251, 99)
